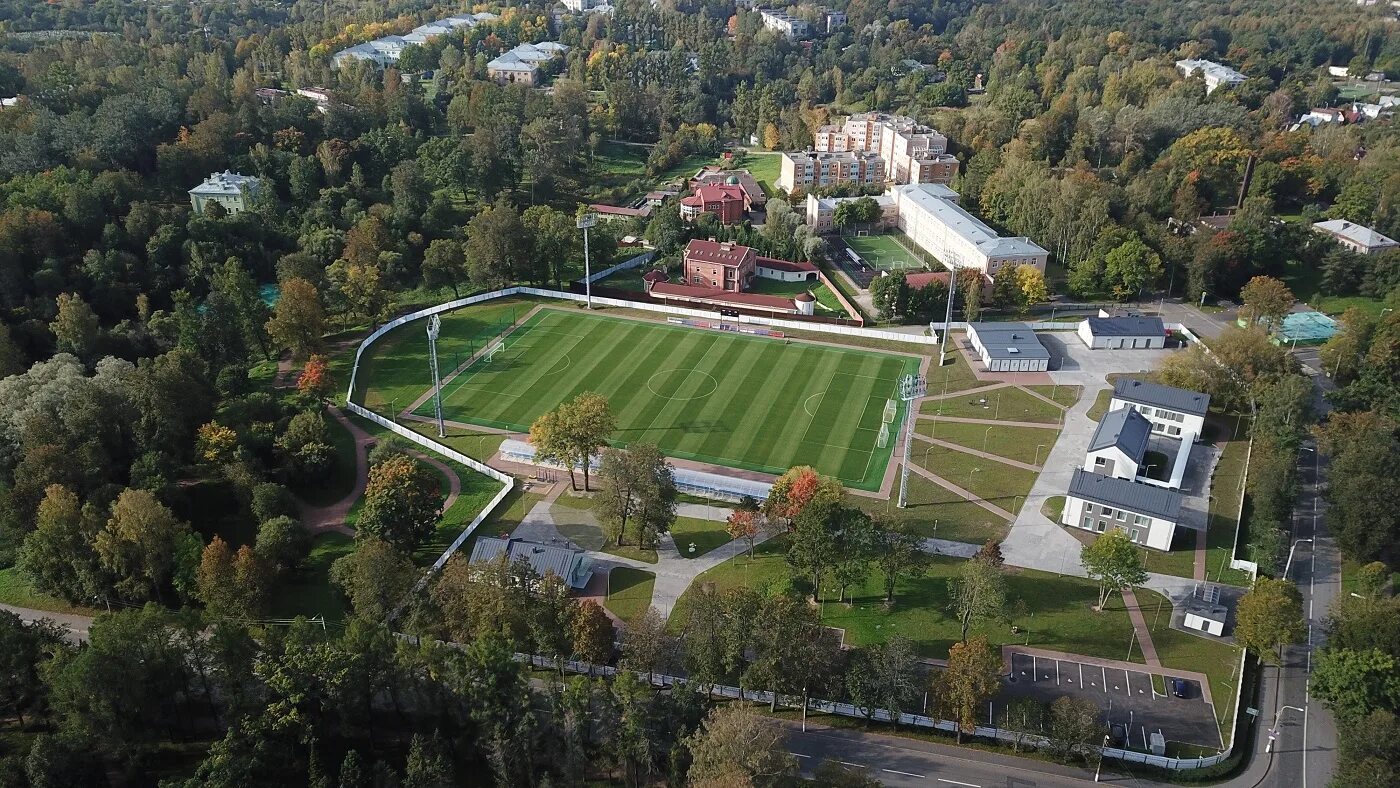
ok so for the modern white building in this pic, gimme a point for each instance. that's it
(1008, 347)
(233, 191)
(1214, 74)
(387, 50)
(930, 215)
(1357, 237)
(822, 210)
(1100, 333)
(784, 23)
(1148, 515)
(589, 6)
(1174, 412)
(1119, 445)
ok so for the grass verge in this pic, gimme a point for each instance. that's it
(629, 592)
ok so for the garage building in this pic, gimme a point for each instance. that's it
(1112, 333)
(1008, 347)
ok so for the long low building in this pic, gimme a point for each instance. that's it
(1008, 347)
(1102, 333)
(1174, 412)
(930, 215)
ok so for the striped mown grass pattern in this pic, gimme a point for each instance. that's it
(748, 402)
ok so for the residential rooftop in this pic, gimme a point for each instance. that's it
(570, 565)
(1169, 397)
(941, 201)
(1009, 340)
(1126, 326)
(1358, 234)
(1124, 428)
(1123, 494)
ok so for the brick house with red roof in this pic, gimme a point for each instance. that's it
(728, 202)
(719, 265)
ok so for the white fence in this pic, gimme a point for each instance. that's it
(961, 325)
(849, 710)
(639, 260)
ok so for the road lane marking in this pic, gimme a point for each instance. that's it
(1057, 672)
(956, 782)
(905, 774)
(848, 763)
(798, 755)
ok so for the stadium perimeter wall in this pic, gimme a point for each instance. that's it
(507, 481)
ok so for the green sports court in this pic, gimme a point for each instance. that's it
(883, 252)
(720, 397)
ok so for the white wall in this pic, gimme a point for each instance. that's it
(1162, 421)
(1155, 532)
(1124, 467)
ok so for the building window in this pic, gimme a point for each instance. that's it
(1133, 534)
(1088, 508)
(1120, 515)
(1174, 430)
(1088, 523)
(1139, 520)
(1102, 526)
(1099, 462)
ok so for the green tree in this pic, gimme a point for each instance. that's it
(429, 763)
(445, 265)
(1130, 267)
(970, 680)
(146, 548)
(884, 676)
(1269, 617)
(1075, 729)
(890, 294)
(1267, 299)
(591, 633)
(12, 360)
(402, 502)
(573, 432)
(497, 247)
(899, 553)
(1369, 752)
(376, 578)
(978, 594)
(75, 327)
(1355, 683)
(58, 554)
(1114, 561)
(737, 746)
(298, 321)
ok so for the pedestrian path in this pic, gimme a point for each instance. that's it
(977, 453)
(1144, 635)
(966, 494)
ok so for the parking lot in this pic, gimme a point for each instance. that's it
(1129, 703)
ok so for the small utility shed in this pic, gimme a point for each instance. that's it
(1147, 514)
(1105, 333)
(572, 566)
(1008, 347)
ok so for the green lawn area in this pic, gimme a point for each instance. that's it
(934, 511)
(310, 593)
(16, 590)
(1004, 404)
(1100, 406)
(394, 371)
(1025, 444)
(706, 535)
(955, 375)
(997, 483)
(1306, 283)
(614, 159)
(1065, 395)
(764, 167)
(1225, 503)
(1054, 507)
(629, 592)
(341, 479)
(826, 300)
(710, 396)
(1058, 614)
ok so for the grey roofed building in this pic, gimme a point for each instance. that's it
(1124, 428)
(1010, 340)
(1123, 494)
(572, 566)
(1169, 397)
(1127, 326)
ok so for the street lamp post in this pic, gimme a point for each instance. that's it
(948, 312)
(1273, 730)
(583, 223)
(1099, 769)
(911, 389)
(985, 435)
(1290, 554)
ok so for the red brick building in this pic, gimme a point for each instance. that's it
(728, 202)
(719, 265)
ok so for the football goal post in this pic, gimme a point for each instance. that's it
(494, 349)
(891, 407)
(862, 233)
(884, 440)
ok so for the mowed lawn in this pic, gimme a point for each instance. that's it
(729, 399)
(883, 252)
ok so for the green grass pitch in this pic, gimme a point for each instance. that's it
(757, 403)
(882, 252)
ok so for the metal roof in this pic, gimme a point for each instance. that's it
(568, 564)
(1009, 340)
(1126, 326)
(1168, 397)
(1125, 428)
(1358, 234)
(1123, 494)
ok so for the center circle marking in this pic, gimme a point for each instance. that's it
(667, 382)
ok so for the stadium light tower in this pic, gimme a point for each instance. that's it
(911, 387)
(435, 328)
(587, 220)
(948, 315)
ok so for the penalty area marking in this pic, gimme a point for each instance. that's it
(807, 403)
(556, 369)
(714, 384)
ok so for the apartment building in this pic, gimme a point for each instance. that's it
(912, 152)
(930, 215)
(784, 23)
(805, 169)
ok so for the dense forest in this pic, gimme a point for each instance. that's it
(138, 343)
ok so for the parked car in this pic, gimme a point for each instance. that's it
(1179, 687)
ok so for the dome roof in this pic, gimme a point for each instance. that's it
(732, 180)
(805, 297)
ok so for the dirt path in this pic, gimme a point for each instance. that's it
(332, 517)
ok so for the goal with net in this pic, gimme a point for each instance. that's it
(884, 439)
(891, 408)
(862, 233)
(494, 349)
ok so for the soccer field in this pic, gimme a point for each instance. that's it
(716, 397)
(882, 252)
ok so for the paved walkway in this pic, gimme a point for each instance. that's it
(76, 625)
(1144, 635)
(978, 453)
(989, 422)
(332, 517)
(950, 548)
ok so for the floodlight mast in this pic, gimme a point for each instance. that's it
(434, 329)
(911, 388)
(948, 313)
(584, 222)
